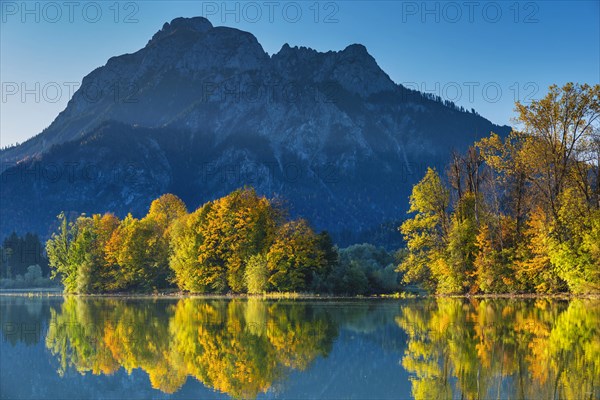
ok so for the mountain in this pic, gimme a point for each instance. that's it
(202, 110)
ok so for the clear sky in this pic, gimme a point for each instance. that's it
(480, 54)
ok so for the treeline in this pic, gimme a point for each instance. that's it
(17, 253)
(418, 95)
(515, 214)
(241, 243)
(23, 263)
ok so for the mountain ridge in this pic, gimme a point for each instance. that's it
(211, 97)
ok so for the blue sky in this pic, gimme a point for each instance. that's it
(481, 54)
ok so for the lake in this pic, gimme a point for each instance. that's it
(85, 347)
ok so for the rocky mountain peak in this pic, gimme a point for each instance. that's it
(195, 24)
(353, 68)
(203, 110)
(356, 50)
(288, 51)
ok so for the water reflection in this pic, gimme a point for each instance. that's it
(238, 347)
(244, 348)
(22, 319)
(502, 349)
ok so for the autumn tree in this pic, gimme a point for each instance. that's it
(559, 131)
(132, 248)
(524, 208)
(455, 271)
(508, 177)
(237, 227)
(103, 227)
(186, 239)
(295, 257)
(257, 274)
(89, 249)
(166, 210)
(207, 251)
(162, 214)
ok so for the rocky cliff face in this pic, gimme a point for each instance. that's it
(202, 110)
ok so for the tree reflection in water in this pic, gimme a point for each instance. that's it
(239, 347)
(482, 349)
(452, 348)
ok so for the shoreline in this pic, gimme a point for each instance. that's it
(554, 296)
(57, 292)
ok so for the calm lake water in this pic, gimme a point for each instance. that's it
(74, 348)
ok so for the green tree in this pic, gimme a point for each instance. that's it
(19, 252)
(33, 274)
(81, 256)
(574, 253)
(257, 274)
(533, 266)
(295, 257)
(363, 269)
(58, 248)
(456, 273)
(426, 233)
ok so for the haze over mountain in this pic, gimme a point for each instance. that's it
(203, 110)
